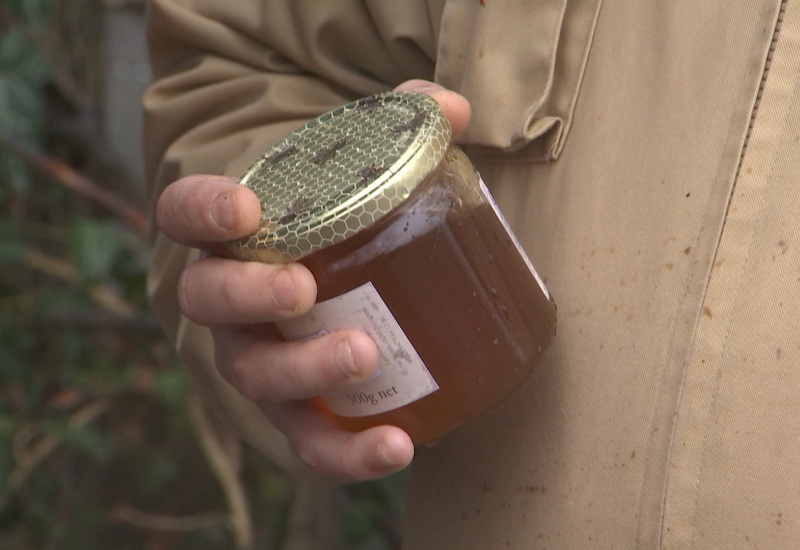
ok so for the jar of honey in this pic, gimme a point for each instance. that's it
(406, 244)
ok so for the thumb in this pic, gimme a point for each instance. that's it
(455, 106)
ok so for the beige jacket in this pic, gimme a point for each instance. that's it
(648, 156)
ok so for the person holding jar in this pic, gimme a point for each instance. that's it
(643, 155)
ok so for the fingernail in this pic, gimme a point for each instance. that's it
(284, 293)
(418, 86)
(345, 359)
(223, 211)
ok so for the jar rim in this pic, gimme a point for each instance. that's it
(342, 172)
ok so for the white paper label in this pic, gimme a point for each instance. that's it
(402, 376)
(490, 200)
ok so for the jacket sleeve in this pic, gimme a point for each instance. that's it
(230, 78)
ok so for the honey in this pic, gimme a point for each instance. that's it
(437, 279)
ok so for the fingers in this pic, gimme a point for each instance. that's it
(284, 387)
(236, 300)
(216, 291)
(270, 370)
(455, 107)
(337, 454)
(197, 210)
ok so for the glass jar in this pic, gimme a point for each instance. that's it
(406, 244)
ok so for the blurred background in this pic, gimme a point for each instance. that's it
(102, 442)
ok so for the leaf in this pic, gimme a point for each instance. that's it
(393, 490)
(80, 439)
(93, 246)
(34, 13)
(170, 385)
(12, 248)
(23, 71)
(361, 519)
(14, 175)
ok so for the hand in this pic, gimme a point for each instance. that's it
(239, 300)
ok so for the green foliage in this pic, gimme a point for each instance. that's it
(33, 13)
(23, 74)
(371, 522)
(12, 249)
(92, 407)
(94, 247)
(96, 441)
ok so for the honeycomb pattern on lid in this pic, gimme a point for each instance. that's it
(341, 172)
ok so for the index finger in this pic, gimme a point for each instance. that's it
(199, 211)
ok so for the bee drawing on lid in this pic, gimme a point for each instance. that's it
(368, 103)
(279, 155)
(328, 152)
(300, 205)
(412, 124)
(370, 173)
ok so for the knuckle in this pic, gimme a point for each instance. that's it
(306, 455)
(248, 390)
(318, 460)
(280, 382)
(311, 369)
(233, 364)
(186, 293)
(295, 376)
(171, 211)
(235, 286)
(165, 207)
(239, 374)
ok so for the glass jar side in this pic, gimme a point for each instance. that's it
(452, 277)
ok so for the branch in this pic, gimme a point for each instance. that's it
(104, 295)
(158, 522)
(222, 463)
(30, 455)
(77, 182)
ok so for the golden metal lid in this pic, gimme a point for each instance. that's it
(341, 172)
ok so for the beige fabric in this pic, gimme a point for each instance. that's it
(667, 414)
(549, 47)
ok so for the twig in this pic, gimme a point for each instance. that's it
(77, 182)
(222, 464)
(30, 455)
(136, 6)
(158, 522)
(92, 320)
(50, 265)
(104, 295)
